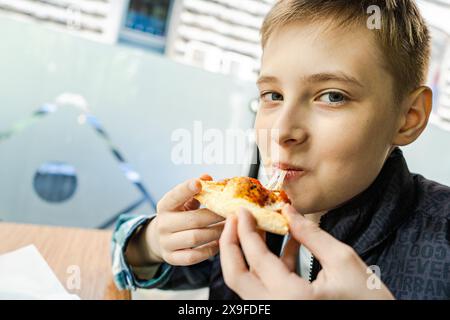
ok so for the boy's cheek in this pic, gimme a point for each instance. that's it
(263, 136)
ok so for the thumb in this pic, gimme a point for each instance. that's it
(321, 244)
(290, 254)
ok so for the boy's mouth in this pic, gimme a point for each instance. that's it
(292, 172)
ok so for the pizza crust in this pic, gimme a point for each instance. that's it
(220, 198)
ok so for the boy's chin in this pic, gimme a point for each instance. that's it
(305, 208)
(310, 204)
(315, 202)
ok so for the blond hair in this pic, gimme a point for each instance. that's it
(403, 38)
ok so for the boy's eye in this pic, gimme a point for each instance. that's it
(333, 98)
(271, 96)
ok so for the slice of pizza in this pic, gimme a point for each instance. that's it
(227, 196)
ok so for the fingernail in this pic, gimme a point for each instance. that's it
(205, 176)
(242, 211)
(290, 209)
(193, 185)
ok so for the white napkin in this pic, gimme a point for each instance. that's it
(24, 274)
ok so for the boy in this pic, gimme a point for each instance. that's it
(342, 97)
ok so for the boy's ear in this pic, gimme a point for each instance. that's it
(414, 116)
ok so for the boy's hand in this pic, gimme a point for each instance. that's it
(181, 234)
(344, 274)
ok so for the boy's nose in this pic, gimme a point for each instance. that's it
(286, 137)
(288, 128)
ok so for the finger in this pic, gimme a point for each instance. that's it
(234, 269)
(259, 258)
(193, 238)
(187, 257)
(192, 204)
(262, 234)
(230, 250)
(321, 244)
(290, 255)
(175, 199)
(179, 221)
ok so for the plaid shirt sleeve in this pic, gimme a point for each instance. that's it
(124, 277)
(166, 277)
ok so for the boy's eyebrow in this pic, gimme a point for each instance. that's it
(266, 79)
(317, 77)
(332, 76)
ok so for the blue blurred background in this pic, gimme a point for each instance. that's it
(91, 91)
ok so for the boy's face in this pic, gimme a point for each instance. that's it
(331, 104)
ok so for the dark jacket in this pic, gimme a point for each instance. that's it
(401, 223)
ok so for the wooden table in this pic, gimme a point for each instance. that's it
(64, 247)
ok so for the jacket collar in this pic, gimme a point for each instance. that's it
(371, 217)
